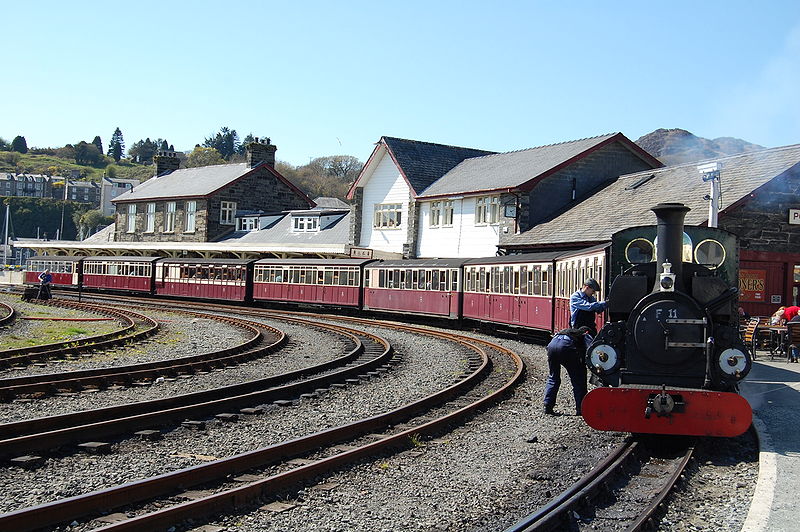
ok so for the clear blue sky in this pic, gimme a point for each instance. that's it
(326, 78)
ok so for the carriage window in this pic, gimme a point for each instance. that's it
(381, 278)
(709, 253)
(496, 279)
(444, 280)
(434, 284)
(402, 278)
(330, 277)
(546, 285)
(421, 283)
(522, 280)
(414, 279)
(454, 279)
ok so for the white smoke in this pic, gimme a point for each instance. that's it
(759, 110)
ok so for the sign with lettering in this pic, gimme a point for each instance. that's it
(361, 253)
(752, 284)
(794, 216)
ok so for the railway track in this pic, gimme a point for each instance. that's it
(36, 386)
(8, 314)
(631, 476)
(271, 469)
(135, 327)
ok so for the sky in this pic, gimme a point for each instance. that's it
(331, 78)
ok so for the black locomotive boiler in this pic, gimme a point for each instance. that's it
(670, 357)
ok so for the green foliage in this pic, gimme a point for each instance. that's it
(89, 222)
(329, 176)
(19, 144)
(204, 157)
(28, 214)
(88, 154)
(9, 160)
(226, 142)
(4, 145)
(116, 148)
(98, 143)
(143, 151)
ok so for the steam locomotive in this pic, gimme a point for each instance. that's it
(669, 358)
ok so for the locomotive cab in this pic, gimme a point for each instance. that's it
(673, 326)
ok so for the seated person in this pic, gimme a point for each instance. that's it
(783, 315)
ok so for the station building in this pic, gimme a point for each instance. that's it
(425, 200)
(760, 203)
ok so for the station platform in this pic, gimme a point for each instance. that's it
(773, 390)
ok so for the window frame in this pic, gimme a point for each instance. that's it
(227, 212)
(190, 208)
(131, 218)
(387, 216)
(150, 217)
(170, 213)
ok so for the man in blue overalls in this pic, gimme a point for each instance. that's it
(567, 349)
(583, 306)
(45, 278)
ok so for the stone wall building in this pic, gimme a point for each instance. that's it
(760, 203)
(201, 204)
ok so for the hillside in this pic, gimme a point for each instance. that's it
(33, 163)
(677, 146)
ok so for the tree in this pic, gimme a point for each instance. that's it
(164, 145)
(19, 144)
(226, 142)
(201, 156)
(87, 153)
(88, 222)
(143, 151)
(117, 145)
(98, 143)
(4, 145)
(242, 150)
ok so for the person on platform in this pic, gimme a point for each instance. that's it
(45, 278)
(567, 349)
(794, 349)
(583, 306)
(784, 315)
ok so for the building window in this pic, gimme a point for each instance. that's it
(387, 215)
(246, 224)
(227, 213)
(487, 210)
(436, 213)
(132, 218)
(307, 224)
(169, 217)
(447, 213)
(191, 212)
(150, 218)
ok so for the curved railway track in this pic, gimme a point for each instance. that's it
(8, 314)
(48, 384)
(585, 503)
(136, 327)
(398, 428)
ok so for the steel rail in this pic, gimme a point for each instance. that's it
(51, 432)
(60, 349)
(8, 318)
(555, 513)
(124, 375)
(646, 517)
(102, 500)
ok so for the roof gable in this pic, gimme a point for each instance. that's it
(741, 175)
(420, 163)
(522, 169)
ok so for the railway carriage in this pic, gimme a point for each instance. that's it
(318, 281)
(515, 290)
(132, 274)
(423, 286)
(66, 271)
(227, 279)
(571, 270)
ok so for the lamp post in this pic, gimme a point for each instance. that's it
(63, 206)
(711, 173)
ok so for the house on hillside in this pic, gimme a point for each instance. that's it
(201, 204)
(26, 185)
(760, 202)
(110, 188)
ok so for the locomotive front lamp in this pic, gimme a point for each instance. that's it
(667, 279)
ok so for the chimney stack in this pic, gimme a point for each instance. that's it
(166, 161)
(261, 151)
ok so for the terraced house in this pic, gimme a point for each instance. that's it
(201, 204)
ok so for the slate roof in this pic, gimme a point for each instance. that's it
(331, 203)
(512, 170)
(422, 163)
(193, 182)
(627, 202)
(280, 233)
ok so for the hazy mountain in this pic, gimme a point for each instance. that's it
(676, 146)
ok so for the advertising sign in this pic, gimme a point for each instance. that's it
(361, 253)
(794, 216)
(752, 284)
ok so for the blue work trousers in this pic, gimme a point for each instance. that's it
(564, 354)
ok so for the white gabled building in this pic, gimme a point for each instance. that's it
(472, 208)
(385, 193)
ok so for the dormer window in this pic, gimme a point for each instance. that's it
(305, 224)
(247, 224)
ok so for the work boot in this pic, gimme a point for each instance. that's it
(548, 410)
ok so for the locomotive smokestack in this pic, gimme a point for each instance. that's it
(670, 240)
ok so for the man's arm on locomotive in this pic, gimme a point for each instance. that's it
(579, 303)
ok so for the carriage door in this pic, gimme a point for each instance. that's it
(518, 302)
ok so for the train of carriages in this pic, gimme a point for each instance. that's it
(668, 355)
